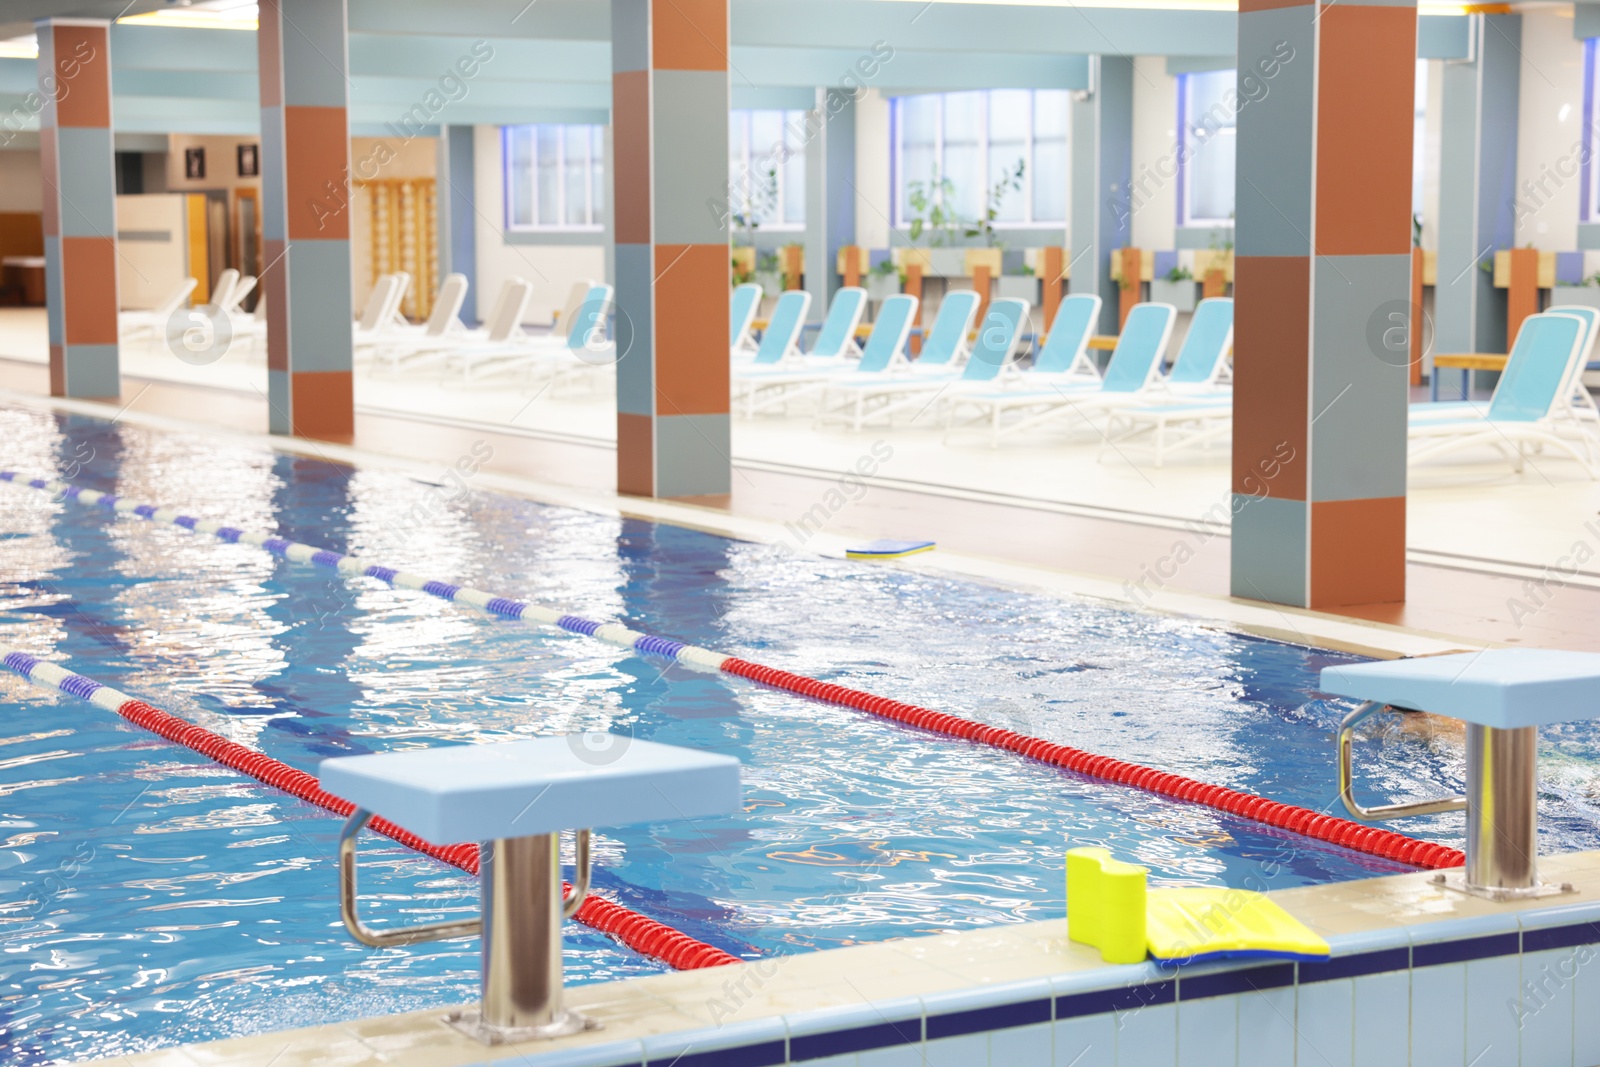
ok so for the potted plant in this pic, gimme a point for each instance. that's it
(1009, 182)
(1176, 287)
(1585, 293)
(883, 281)
(933, 215)
(769, 273)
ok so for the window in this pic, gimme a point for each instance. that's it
(1589, 190)
(554, 177)
(767, 169)
(962, 145)
(1207, 113)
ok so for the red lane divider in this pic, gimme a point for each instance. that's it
(1352, 835)
(643, 935)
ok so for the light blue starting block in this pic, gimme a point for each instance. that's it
(516, 799)
(1502, 695)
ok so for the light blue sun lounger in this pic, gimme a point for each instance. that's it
(742, 305)
(781, 341)
(855, 399)
(885, 350)
(992, 353)
(1583, 404)
(1135, 367)
(1065, 353)
(1531, 401)
(837, 338)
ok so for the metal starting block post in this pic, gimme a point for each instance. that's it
(1503, 695)
(516, 799)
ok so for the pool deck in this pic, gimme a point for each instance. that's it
(1012, 545)
(1486, 983)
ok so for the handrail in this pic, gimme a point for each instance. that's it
(348, 904)
(580, 876)
(1347, 731)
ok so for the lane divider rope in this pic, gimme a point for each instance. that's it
(642, 934)
(1372, 840)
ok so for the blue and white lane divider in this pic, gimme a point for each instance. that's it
(611, 633)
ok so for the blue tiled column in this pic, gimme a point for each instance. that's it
(830, 192)
(1102, 173)
(458, 240)
(1477, 186)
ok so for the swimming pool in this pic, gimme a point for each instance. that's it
(152, 897)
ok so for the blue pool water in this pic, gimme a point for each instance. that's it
(150, 897)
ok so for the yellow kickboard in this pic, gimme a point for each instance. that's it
(1110, 908)
(1189, 924)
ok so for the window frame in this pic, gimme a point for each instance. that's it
(897, 182)
(595, 157)
(1589, 174)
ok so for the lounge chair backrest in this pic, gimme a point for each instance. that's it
(889, 332)
(223, 289)
(506, 318)
(947, 339)
(447, 305)
(997, 340)
(1207, 344)
(240, 291)
(742, 312)
(372, 312)
(839, 328)
(587, 327)
(179, 294)
(1069, 334)
(783, 328)
(1143, 341)
(575, 298)
(1538, 369)
(1591, 322)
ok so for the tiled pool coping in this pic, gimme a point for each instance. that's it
(1418, 975)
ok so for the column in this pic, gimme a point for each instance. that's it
(830, 192)
(1102, 174)
(80, 207)
(305, 216)
(1477, 185)
(458, 227)
(1322, 280)
(669, 115)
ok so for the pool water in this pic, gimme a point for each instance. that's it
(149, 897)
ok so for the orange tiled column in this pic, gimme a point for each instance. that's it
(1053, 267)
(80, 207)
(1132, 284)
(670, 98)
(1522, 296)
(1323, 261)
(305, 216)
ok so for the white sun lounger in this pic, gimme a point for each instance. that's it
(151, 324)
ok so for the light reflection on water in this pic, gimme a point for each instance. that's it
(149, 897)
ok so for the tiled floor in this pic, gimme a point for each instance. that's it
(1475, 543)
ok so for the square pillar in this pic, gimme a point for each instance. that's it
(830, 192)
(305, 216)
(1102, 173)
(1322, 281)
(669, 116)
(80, 207)
(1477, 185)
(458, 225)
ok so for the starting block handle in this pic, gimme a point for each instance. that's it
(1347, 794)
